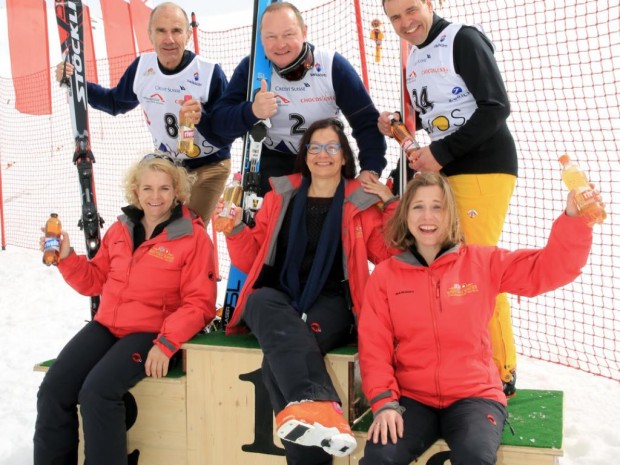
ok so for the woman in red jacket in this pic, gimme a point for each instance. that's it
(307, 264)
(155, 274)
(425, 354)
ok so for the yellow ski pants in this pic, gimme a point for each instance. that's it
(482, 201)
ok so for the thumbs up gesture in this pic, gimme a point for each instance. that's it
(265, 104)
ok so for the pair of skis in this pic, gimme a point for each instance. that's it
(70, 26)
(260, 68)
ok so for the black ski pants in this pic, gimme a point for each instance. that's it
(95, 369)
(293, 366)
(472, 428)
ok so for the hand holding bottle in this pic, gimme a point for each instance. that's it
(384, 122)
(232, 219)
(64, 246)
(227, 214)
(572, 208)
(191, 110)
(585, 199)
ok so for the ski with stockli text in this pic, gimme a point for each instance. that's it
(260, 68)
(69, 18)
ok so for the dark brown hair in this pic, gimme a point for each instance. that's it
(348, 169)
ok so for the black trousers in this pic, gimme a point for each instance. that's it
(95, 369)
(293, 366)
(472, 428)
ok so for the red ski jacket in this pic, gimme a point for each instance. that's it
(166, 286)
(423, 331)
(362, 238)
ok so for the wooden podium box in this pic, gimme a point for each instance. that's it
(219, 412)
(229, 415)
(157, 420)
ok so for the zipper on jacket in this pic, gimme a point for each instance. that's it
(435, 311)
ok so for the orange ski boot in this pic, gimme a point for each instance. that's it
(316, 423)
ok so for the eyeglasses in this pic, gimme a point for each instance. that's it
(331, 148)
(298, 69)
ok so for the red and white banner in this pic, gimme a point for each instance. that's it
(140, 14)
(119, 38)
(29, 51)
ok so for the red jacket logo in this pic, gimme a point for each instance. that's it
(460, 290)
(162, 253)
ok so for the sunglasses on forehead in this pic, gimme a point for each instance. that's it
(162, 156)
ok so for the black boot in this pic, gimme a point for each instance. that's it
(510, 388)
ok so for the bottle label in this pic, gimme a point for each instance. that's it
(584, 197)
(589, 208)
(187, 133)
(52, 243)
(408, 145)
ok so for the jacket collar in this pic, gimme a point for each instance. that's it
(179, 225)
(354, 192)
(409, 258)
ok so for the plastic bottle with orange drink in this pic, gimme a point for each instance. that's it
(51, 248)
(233, 192)
(590, 209)
(186, 133)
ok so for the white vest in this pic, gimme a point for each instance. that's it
(301, 103)
(161, 96)
(437, 92)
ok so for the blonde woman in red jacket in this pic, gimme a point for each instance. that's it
(425, 354)
(307, 264)
(155, 274)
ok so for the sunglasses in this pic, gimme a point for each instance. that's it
(162, 156)
(331, 148)
(298, 69)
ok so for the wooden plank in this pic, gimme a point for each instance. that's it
(224, 417)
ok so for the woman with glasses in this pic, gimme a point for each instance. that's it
(154, 272)
(307, 264)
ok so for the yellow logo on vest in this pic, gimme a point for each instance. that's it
(162, 253)
(460, 290)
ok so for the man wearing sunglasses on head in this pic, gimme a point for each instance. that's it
(307, 84)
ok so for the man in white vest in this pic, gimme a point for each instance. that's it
(460, 100)
(308, 83)
(159, 82)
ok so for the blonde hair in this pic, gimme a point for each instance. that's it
(397, 232)
(182, 181)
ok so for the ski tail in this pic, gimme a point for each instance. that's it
(70, 26)
(260, 68)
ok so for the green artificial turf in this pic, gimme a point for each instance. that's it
(176, 372)
(248, 341)
(535, 416)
